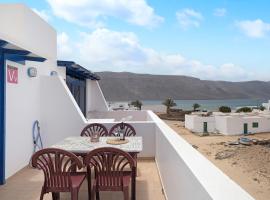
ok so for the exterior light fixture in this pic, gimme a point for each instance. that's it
(53, 73)
(32, 72)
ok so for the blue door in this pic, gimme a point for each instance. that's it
(205, 127)
(245, 128)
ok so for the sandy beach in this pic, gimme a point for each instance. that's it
(249, 166)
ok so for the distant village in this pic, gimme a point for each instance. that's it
(245, 120)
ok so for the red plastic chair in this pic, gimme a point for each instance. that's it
(57, 166)
(90, 129)
(114, 170)
(128, 129)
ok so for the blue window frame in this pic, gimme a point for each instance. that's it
(2, 117)
(255, 124)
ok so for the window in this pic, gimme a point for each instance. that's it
(255, 125)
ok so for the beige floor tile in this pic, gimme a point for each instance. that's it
(26, 185)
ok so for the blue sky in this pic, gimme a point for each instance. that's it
(217, 40)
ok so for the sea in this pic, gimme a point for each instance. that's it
(210, 105)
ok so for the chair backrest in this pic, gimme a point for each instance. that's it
(90, 129)
(110, 165)
(57, 166)
(128, 129)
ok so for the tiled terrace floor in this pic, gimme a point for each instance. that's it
(26, 185)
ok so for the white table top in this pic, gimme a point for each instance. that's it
(80, 144)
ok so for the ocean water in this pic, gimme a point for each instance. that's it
(211, 105)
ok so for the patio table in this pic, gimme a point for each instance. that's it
(82, 145)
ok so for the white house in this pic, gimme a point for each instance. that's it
(200, 124)
(229, 124)
(34, 85)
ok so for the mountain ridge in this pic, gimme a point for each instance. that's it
(127, 86)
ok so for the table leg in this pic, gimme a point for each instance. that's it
(133, 184)
(134, 156)
(89, 182)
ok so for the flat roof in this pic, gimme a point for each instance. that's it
(15, 53)
(77, 70)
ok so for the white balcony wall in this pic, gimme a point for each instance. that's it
(129, 115)
(60, 114)
(61, 117)
(95, 100)
(188, 175)
(22, 109)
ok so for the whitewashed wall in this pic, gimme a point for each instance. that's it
(61, 117)
(27, 30)
(199, 124)
(60, 114)
(189, 122)
(95, 100)
(221, 124)
(196, 123)
(188, 175)
(235, 125)
(22, 109)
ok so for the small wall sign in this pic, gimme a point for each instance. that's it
(12, 74)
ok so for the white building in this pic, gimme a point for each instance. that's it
(199, 123)
(267, 105)
(229, 124)
(60, 94)
(121, 106)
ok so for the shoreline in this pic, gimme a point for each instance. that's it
(210, 105)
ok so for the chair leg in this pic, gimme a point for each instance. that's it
(135, 157)
(93, 193)
(133, 184)
(74, 194)
(42, 193)
(126, 193)
(55, 195)
(97, 195)
(89, 182)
